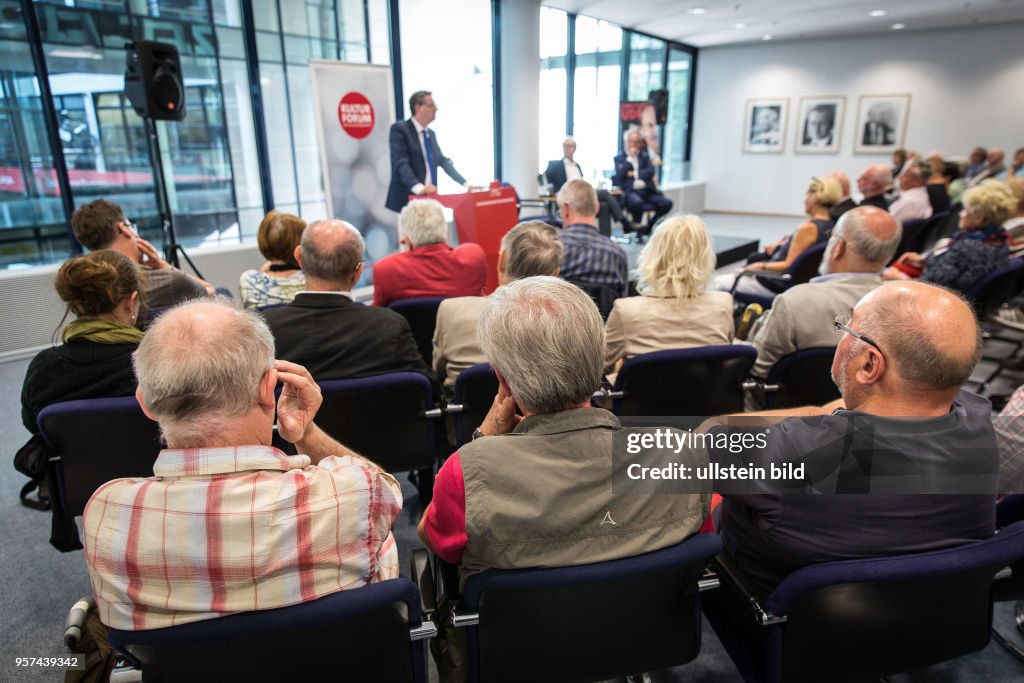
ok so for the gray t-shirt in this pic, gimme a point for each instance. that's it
(167, 287)
(773, 534)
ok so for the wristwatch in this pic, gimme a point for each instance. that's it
(476, 434)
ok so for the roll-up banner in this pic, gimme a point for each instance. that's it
(355, 107)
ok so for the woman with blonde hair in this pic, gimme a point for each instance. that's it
(822, 194)
(279, 279)
(674, 310)
(95, 360)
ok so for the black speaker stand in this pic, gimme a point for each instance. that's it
(171, 246)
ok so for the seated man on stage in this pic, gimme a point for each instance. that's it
(634, 175)
(431, 266)
(560, 171)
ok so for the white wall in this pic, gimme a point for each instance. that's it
(966, 87)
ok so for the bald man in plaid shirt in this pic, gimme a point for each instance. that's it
(229, 523)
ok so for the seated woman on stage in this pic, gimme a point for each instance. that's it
(675, 311)
(975, 250)
(95, 360)
(279, 279)
(823, 194)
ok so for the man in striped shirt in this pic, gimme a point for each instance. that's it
(590, 257)
(229, 523)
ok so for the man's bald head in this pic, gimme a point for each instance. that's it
(928, 334)
(871, 236)
(874, 180)
(844, 181)
(995, 156)
(331, 252)
(200, 366)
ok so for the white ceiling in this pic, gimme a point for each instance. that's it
(725, 22)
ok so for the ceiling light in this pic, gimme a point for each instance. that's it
(877, 13)
(739, 25)
(766, 36)
(697, 10)
(898, 27)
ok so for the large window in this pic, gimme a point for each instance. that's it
(210, 159)
(594, 81)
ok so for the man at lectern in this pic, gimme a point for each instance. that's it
(415, 154)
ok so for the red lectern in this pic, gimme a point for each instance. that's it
(484, 217)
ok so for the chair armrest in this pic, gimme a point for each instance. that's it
(76, 622)
(770, 274)
(423, 577)
(730, 573)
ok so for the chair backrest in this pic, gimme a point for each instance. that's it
(803, 378)
(604, 296)
(97, 440)
(363, 634)
(706, 380)
(806, 264)
(475, 389)
(996, 288)
(911, 234)
(590, 622)
(382, 418)
(876, 617)
(422, 317)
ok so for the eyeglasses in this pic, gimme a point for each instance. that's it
(842, 323)
(131, 225)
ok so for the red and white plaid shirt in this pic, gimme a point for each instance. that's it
(236, 529)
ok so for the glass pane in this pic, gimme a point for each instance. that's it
(676, 168)
(596, 119)
(553, 32)
(275, 109)
(645, 59)
(552, 114)
(33, 228)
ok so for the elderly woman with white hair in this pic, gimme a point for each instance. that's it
(429, 266)
(675, 310)
(975, 250)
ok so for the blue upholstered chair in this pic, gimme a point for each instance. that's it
(702, 381)
(422, 317)
(588, 622)
(863, 619)
(372, 633)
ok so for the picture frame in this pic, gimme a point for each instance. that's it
(820, 124)
(764, 130)
(881, 123)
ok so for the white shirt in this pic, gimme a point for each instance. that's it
(572, 171)
(912, 205)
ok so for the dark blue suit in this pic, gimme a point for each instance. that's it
(407, 164)
(625, 175)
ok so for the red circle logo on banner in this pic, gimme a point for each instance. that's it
(355, 113)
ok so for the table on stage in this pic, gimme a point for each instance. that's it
(731, 249)
(483, 217)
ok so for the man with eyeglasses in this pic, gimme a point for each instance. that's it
(860, 246)
(873, 183)
(101, 224)
(903, 426)
(415, 154)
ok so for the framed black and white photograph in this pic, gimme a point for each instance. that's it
(765, 127)
(821, 125)
(881, 123)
